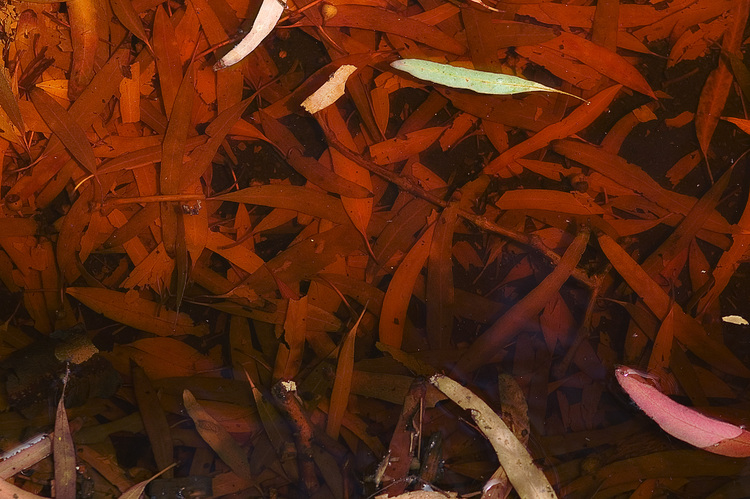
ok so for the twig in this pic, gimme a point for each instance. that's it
(285, 394)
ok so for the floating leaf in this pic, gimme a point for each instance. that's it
(682, 422)
(481, 82)
(330, 91)
(268, 15)
(735, 319)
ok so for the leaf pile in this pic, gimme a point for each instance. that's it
(264, 290)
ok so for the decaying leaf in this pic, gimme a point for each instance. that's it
(64, 453)
(330, 91)
(217, 437)
(197, 224)
(268, 15)
(527, 479)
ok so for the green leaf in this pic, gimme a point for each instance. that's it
(481, 82)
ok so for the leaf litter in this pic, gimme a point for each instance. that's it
(481, 194)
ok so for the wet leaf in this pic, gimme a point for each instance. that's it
(683, 422)
(64, 453)
(396, 301)
(330, 91)
(85, 21)
(268, 15)
(716, 89)
(517, 317)
(129, 18)
(130, 309)
(217, 437)
(154, 420)
(343, 381)
(66, 128)
(576, 121)
(479, 81)
(687, 330)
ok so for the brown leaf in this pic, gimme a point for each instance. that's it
(291, 197)
(129, 18)
(154, 419)
(378, 19)
(129, 308)
(716, 89)
(167, 55)
(66, 128)
(440, 289)
(289, 355)
(217, 437)
(396, 301)
(513, 321)
(687, 330)
(64, 454)
(306, 166)
(342, 383)
(581, 117)
(85, 20)
(173, 147)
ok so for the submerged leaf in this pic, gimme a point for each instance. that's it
(217, 436)
(64, 453)
(342, 383)
(66, 127)
(528, 480)
(482, 82)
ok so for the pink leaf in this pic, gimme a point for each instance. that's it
(683, 422)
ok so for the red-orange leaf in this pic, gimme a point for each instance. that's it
(580, 118)
(342, 383)
(396, 301)
(66, 128)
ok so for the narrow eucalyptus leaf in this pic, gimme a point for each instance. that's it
(481, 82)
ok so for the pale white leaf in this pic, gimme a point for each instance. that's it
(268, 15)
(735, 319)
(330, 91)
